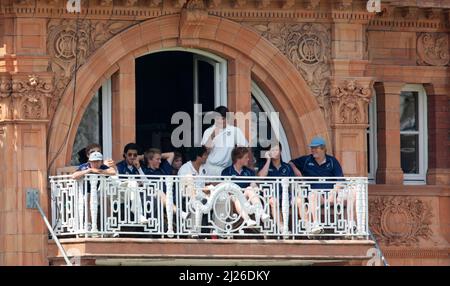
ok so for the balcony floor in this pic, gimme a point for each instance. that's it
(141, 251)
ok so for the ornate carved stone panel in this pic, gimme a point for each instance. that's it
(432, 49)
(5, 95)
(308, 47)
(399, 220)
(30, 95)
(349, 100)
(69, 43)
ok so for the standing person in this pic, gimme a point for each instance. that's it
(220, 139)
(275, 167)
(95, 147)
(93, 166)
(239, 168)
(132, 166)
(317, 164)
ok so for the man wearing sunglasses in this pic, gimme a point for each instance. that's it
(132, 166)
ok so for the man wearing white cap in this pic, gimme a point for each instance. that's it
(94, 166)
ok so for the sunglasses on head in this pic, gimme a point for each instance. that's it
(132, 154)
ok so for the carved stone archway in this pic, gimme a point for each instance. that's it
(240, 45)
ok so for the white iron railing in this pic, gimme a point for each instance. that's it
(185, 207)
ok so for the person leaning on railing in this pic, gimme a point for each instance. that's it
(317, 164)
(94, 166)
(275, 167)
(239, 168)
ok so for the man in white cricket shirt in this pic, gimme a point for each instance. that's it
(220, 139)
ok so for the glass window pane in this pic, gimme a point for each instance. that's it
(409, 153)
(368, 154)
(409, 111)
(89, 130)
(259, 123)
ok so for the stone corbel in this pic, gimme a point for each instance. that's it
(239, 3)
(155, 3)
(106, 3)
(343, 4)
(311, 4)
(349, 100)
(178, 3)
(263, 3)
(5, 95)
(433, 13)
(410, 13)
(131, 3)
(212, 4)
(31, 95)
(193, 18)
(287, 4)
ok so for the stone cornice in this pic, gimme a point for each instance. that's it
(393, 15)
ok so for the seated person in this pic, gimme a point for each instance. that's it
(154, 166)
(132, 166)
(195, 187)
(317, 164)
(239, 168)
(196, 165)
(157, 163)
(275, 167)
(177, 162)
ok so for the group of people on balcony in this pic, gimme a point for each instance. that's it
(224, 152)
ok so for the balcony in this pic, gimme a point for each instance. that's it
(210, 220)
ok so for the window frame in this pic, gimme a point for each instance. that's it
(420, 178)
(372, 151)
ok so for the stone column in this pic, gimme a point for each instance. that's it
(349, 101)
(388, 114)
(23, 129)
(350, 95)
(239, 91)
(123, 106)
(438, 130)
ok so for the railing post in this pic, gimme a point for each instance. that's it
(360, 220)
(169, 205)
(54, 196)
(285, 205)
(93, 180)
(80, 204)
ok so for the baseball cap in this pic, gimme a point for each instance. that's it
(96, 156)
(317, 141)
